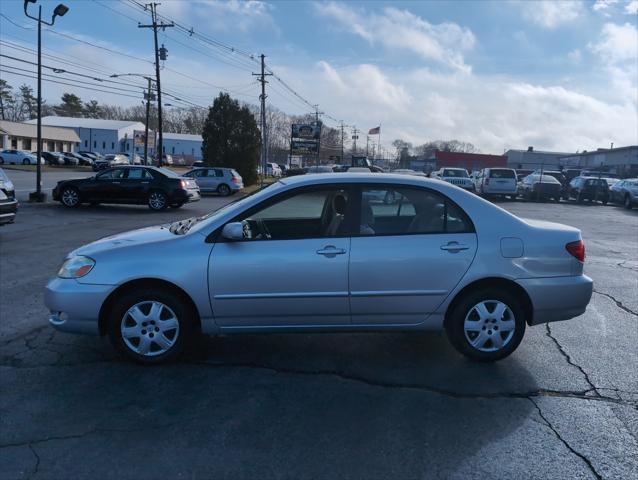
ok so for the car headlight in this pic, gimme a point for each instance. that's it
(76, 267)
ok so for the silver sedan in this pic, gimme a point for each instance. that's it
(311, 253)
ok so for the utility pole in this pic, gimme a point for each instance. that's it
(367, 144)
(159, 149)
(342, 160)
(264, 136)
(355, 137)
(148, 113)
(317, 113)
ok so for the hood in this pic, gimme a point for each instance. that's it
(133, 238)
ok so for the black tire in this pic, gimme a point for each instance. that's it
(627, 203)
(223, 190)
(119, 318)
(70, 197)
(579, 198)
(25, 162)
(1, 161)
(454, 325)
(157, 201)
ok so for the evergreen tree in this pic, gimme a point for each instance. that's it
(232, 138)
(71, 105)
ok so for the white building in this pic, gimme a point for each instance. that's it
(97, 135)
(183, 145)
(532, 159)
(24, 136)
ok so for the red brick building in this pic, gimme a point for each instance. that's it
(469, 161)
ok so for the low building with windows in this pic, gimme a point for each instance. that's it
(622, 161)
(97, 135)
(23, 136)
(183, 145)
(532, 159)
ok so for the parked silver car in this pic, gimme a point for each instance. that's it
(224, 181)
(308, 254)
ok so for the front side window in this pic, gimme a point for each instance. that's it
(402, 211)
(115, 174)
(138, 174)
(312, 213)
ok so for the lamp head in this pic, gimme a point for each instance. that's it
(60, 10)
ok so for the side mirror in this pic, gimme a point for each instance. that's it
(233, 231)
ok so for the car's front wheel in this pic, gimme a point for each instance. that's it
(25, 161)
(157, 201)
(487, 325)
(70, 197)
(150, 325)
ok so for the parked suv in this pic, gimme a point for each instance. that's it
(18, 157)
(586, 188)
(224, 181)
(496, 181)
(455, 176)
(8, 203)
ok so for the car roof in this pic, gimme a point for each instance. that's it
(361, 177)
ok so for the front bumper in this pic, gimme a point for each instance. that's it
(557, 298)
(75, 307)
(8, 211)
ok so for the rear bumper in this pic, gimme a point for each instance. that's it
(557, 298)
(185, 196)
(75, 307)
(8, 211)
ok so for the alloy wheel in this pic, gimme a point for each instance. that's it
(224, 190)
(70, 197)
(149, 328)
(157, 201)
(489, 326)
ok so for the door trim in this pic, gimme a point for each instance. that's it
(244, 296)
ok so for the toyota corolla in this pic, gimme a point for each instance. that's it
(326, 253)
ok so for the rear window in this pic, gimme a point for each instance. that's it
(234, 173)
(596, 182)
(502, 173)
(169, 173)
(455, 173)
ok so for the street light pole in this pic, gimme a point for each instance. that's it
(59, 11)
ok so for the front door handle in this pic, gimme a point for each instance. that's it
(454, 247)
(331, 251)
(117, 183)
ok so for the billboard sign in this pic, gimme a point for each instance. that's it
(306, 131)
(304, 146)
(138, 136)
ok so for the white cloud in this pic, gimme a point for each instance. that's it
(401, 30)
(550, 13)
(617, 43)
(632, 7)
(575, 56)
(602, 5)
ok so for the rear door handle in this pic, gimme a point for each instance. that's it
(331, 251)
(454, 247)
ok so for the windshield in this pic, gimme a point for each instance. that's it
(546, 179)
(183, 226)
(502, 173)
(455, 173)
(169, 173)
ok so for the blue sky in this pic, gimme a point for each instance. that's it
(500, 74)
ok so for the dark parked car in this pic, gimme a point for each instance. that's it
(625, 192)
(157, 187)
(110, 160)
(82, 160)
(8, 203)
(540, 188)
(585, 188)
(53, 158)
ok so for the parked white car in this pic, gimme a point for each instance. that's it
(496, 181)
(18, 157)
(273, 170)
(455, 176)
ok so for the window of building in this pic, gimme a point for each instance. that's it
(112, 145)
(104, 145)
(51, 146)
(26, 144)
(128, 146)
(94, 144)
(14, 142)
(173, 151)
(86, 144)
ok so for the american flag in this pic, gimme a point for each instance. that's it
(375, 130)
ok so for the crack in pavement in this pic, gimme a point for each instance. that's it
(576, 394)
(564, 353)
(564, 442)
(617, 302)
(37, 462)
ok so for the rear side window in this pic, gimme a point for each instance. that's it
(404, 211)
(218, 172)
(502, 173)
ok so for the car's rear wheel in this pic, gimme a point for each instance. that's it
(26, 161)
(150, 325)
(627, 202)
(223, 190)
(70, 197)
(487, 325)
(157, 201)
(1, 161)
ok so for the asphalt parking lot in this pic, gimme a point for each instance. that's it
(564, 405)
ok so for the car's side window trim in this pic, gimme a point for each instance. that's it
(351, 212)
(358, 193)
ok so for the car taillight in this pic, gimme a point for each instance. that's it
(577, 249)
(235, 179)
